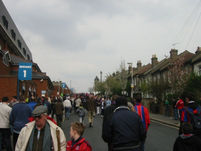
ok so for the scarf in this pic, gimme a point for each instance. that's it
(47, 140)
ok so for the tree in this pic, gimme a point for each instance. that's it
(178, 76)
(193, 86)
(123, 75)
(112, 85)
(158, 89)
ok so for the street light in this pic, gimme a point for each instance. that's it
(132, 85)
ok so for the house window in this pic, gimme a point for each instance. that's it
(13, 34)
(24, 51)
(158, 77)
(19, 43)
(199, 71)
(164, 76)
(154, 78)
(5, 22)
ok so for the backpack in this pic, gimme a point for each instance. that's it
(196, 118)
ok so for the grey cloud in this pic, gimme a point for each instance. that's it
(85, 36)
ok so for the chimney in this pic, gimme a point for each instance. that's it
(173, 53)
(198, 50)
(139, 64)
(154, 60)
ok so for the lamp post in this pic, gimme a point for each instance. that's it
(132, 85)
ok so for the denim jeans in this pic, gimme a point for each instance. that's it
(67, 109)
(175, 113)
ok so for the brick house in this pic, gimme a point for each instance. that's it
(196, 61)
(58, 90)
(14, 50)
(159, 71)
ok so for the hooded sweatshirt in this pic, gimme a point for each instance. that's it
(187, 142)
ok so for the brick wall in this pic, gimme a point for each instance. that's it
(8, 87)
(41, 85)
(4, 70)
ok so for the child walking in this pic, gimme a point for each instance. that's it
(81, 113)
(78, 143)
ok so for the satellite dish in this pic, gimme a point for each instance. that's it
(6, 58)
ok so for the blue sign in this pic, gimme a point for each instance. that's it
(25, 71)
(63, 85)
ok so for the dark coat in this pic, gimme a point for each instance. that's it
(59, 108)
(125, 129)
(106, 123)
(20, 116)
(91, 105)
(191, 143)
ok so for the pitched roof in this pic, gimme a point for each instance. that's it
(196, 58)
(165, 63)
(142, 70)
(159, 65)
(186, 56)
(15, 60)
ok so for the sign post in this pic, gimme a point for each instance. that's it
(63, 85)
(24, 73)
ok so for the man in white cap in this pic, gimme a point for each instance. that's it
(41, 134)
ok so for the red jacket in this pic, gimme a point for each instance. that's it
(144, 114)
(180, 104)
(82, 145)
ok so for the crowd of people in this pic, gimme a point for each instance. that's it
(188, 111)
(36, 124)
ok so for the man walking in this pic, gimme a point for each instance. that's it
(59, 111)
(4, 124)
(19, 117)
(191, 113)
(125, 130)
(91, 109)
(144, 115)
(67, 106)
(41, 134)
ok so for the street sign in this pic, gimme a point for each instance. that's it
(63, 85)
(25, 71)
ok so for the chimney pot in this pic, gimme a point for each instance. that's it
(139, 64)
(198, 50)
(154, 60)
(173, 53)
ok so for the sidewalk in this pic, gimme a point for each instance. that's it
(164, 120)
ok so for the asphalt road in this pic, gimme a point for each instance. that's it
(159, 138)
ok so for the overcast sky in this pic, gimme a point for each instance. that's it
(76, 39)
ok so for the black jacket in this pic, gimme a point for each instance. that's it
(187, 143)
(106, 122)
(125, 129)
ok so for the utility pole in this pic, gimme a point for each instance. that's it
(101, 73)
(132, 85)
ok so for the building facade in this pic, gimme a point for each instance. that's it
(13, 50)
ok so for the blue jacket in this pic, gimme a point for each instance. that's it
(32, 105)
(19, 116)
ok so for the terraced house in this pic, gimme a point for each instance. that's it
(167, 73)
